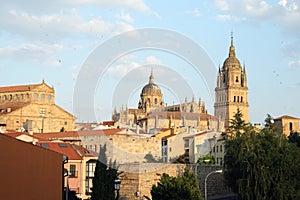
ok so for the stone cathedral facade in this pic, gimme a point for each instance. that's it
(231, 92)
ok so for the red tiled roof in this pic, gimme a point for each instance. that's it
(17, 134)
(57, 135)
(285, 117)
(197, 134)
(61, 147)
(180, 115)
(19, 88)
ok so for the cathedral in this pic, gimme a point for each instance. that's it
(231, 92)
(151, 114)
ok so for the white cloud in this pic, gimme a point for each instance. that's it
(125, 17)
(195, 12)
(153, 60)
(294, 63)
(36, 53)
(59, 25)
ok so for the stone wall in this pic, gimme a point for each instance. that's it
(137, 179)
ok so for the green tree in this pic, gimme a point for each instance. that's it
(206, 160)
(183, 187)
(237, 124)
(262, 165)
(105, 175)
(294, 137)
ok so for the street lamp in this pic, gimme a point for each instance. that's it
(205, 185)
(117, 187)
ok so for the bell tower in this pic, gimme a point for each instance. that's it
(231, 92)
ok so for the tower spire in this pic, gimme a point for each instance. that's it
(151, 77)
(231, 49)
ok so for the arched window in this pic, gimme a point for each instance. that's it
(42, 96)
(236, 79)
(28, 96)
(238, 99)
(22, 96)
(241, 99)
(4, 97)
(17, 96)
(155, 101)
(35, 96)
(10, 97)
(234, 99)
(49, 97)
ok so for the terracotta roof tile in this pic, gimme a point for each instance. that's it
(18, 88)
(285, 117)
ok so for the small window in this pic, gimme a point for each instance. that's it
(17, 96)
(170, 149)
(42, 96)
(28, 96)
(42, 112)
(22, 96)
(35, 96)
(291, 126)
(241, 99)
(4, 97)
(73, 171)
(155, 101)
(236, 79)
(17, 121)
(238, 99)
(234, 98)
(10, 97)
(64, 145)
(44, 145)
(221, 148)
(49, 97)
(217, 149)
(66, 123)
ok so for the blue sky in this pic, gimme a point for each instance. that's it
(52, 40)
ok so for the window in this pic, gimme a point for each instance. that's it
(236, 79)
(221, 148)
(241, 99)
(17, 121)
(44, 145)
(22, 96)
(291, 126)
(35, 96)
(63, 145)
(66, 123)
(238, 99)
(155, 101)
(73, 171)
(42, 96)
(4, 97)
(217, 149)
(10, 97)
(17, 96)
(234, 99)
(214, 149)
(49, 97)
(90, 170)
(28, 96)
(42, 112)
(170, 149)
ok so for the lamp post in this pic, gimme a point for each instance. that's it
(205, 185)
(117, 187)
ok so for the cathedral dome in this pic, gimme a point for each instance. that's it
(151, 88)
(231, 61)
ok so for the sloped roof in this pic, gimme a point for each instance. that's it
(285, 117)
(21, 88)
(17, 134)
(4, 107)
(62, 148)
(71, 134)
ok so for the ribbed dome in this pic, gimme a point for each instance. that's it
(151, 87)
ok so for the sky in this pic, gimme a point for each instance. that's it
(59, 41)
